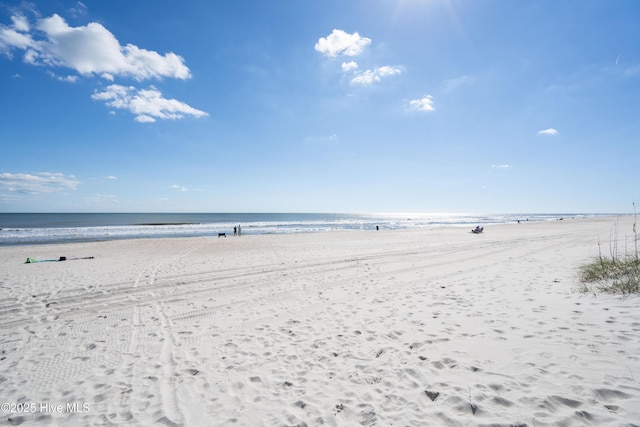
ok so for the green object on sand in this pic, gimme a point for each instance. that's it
(32, 260)
(62, 258)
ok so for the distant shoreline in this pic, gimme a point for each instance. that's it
(153, 224)
(29, 229)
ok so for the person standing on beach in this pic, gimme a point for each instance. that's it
(239, 231)
(235, 231)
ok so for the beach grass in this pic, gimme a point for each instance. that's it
(611, 275)
(615, 274)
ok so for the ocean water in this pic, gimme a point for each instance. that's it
(37, 228)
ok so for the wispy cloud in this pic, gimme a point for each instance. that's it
(146, 104)
(68, 79)
(349, 66)
(339, 42)
(550, 131)
(79, 10)
(44, 182)
(368, 77)
(501, 166)
(20, 23)
(422, 104)
(453, 84)
(178, 187)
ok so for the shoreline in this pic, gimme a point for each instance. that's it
(405, 327)
(249, 231)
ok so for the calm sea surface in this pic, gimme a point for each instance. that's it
(36, 228)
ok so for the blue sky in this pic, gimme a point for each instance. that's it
(320, 106)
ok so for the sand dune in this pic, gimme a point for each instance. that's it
(414, 327)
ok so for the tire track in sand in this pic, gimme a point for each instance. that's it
(165, 363)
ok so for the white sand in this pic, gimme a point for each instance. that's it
(415, 327)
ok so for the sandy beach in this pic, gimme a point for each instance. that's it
(425, 327)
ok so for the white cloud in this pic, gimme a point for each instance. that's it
(92, 50)
(501, 166)
(79, 11)
(341, 42)
(550, 131)
(147, 104)
(349, 66)
(68, 79)
(44, 182)
(368, 77)
(178, 187)
(422, 104)
(89, 50)
(10, 38)
(143, 118)
(20, 23)
(388, 71)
